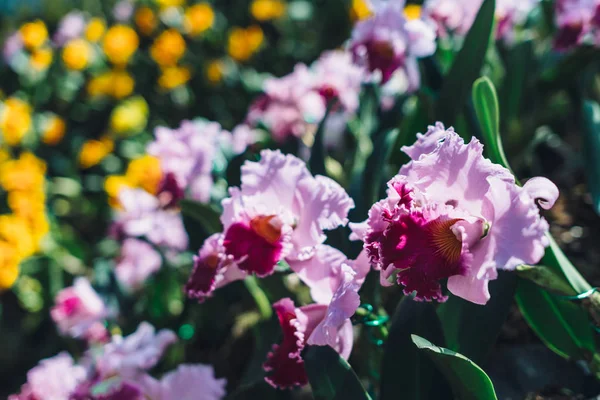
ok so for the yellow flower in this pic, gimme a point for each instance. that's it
(169, 3)
(243, 43)
(94, 151)
(54, 130)
(120, 43)
(100, 85)
(266, 10)
(41, 58)
(95, 29)
(17, 232)
(199, 18)
(359, 10)
(9, 265)
(27, 204)
(145, 19)
(214, 71)
(172, 77)
(130, 116)
(168, 48)
(412, 11)
(15, 120)
(145, 172)
(34, 34)
(76, 54)
(23, 174)
(122, 84)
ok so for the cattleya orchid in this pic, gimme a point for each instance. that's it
(313, 324)
(279, 213)
(79, 311)
(578, 22)
(138, 260)
(452, 214)
(388, 41)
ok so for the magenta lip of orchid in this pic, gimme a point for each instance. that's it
(452, 214)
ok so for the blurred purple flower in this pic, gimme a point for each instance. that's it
(450, 213)
(123, 10)
(78, 310)
(578, 22)
(314, 324)
(138, 260)
(53, 378)
(187, 382)
(387, 41)
(71, 26)
(12, 45)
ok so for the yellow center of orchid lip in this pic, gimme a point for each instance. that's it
(445, 241)
(212, 260)
(268, 227)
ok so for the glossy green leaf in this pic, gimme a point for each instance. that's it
(413, 376)
(485, 102)
(467, 379)
(472, 329)
(316, 162)
(466, 67)
(591, 149)
(555, 258)
(563, 326)
(330, 376)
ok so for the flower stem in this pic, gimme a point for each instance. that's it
(259, 296)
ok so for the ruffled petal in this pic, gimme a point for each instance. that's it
(543, 191)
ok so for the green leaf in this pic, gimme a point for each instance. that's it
(591, 149)
(555, 258)
(200, 220)
(466, 67)
(468, 381)
(472, 329)
(330, 376)
(563, 326)
(485, 102)
(316, 162)
(413, 376)
(519, 62)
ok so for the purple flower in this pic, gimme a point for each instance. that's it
(137, 262)
(578, 21)
(71, 26)
(142, 215)
(314, 324)
(188, 153)
(53, 378)
(123, 10)
(138, 352)
(187, 382)
(78, 311)
(387, 42)
(12, 45)
(450, 213)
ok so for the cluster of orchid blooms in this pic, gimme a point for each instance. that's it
(450, 217)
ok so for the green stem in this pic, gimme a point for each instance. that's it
(259, 296)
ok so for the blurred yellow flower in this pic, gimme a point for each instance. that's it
(15, 120)
(113, 185)
(172, 77)
(17, 232)
(41, 58)
(94, 151)
(131, 116)
(76, 54)
(115, 83)
(412, 11)
(53, 130)
(23, 174)
(214, 71)
(95, 29)
(359, 10)
(27, 204)
(145, 172)
(266, 10)
(120, 42)
(34, 34)
(243, 43)
(168, 48)
(9, 265)
(146, 21)
(169, 3)
(198, 18)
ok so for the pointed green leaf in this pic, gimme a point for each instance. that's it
(413, 376)
(485, 102)
(563, 326)
(467, 379)
(591, 149)
(330, 376)
(316, 162)
(466, 67)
